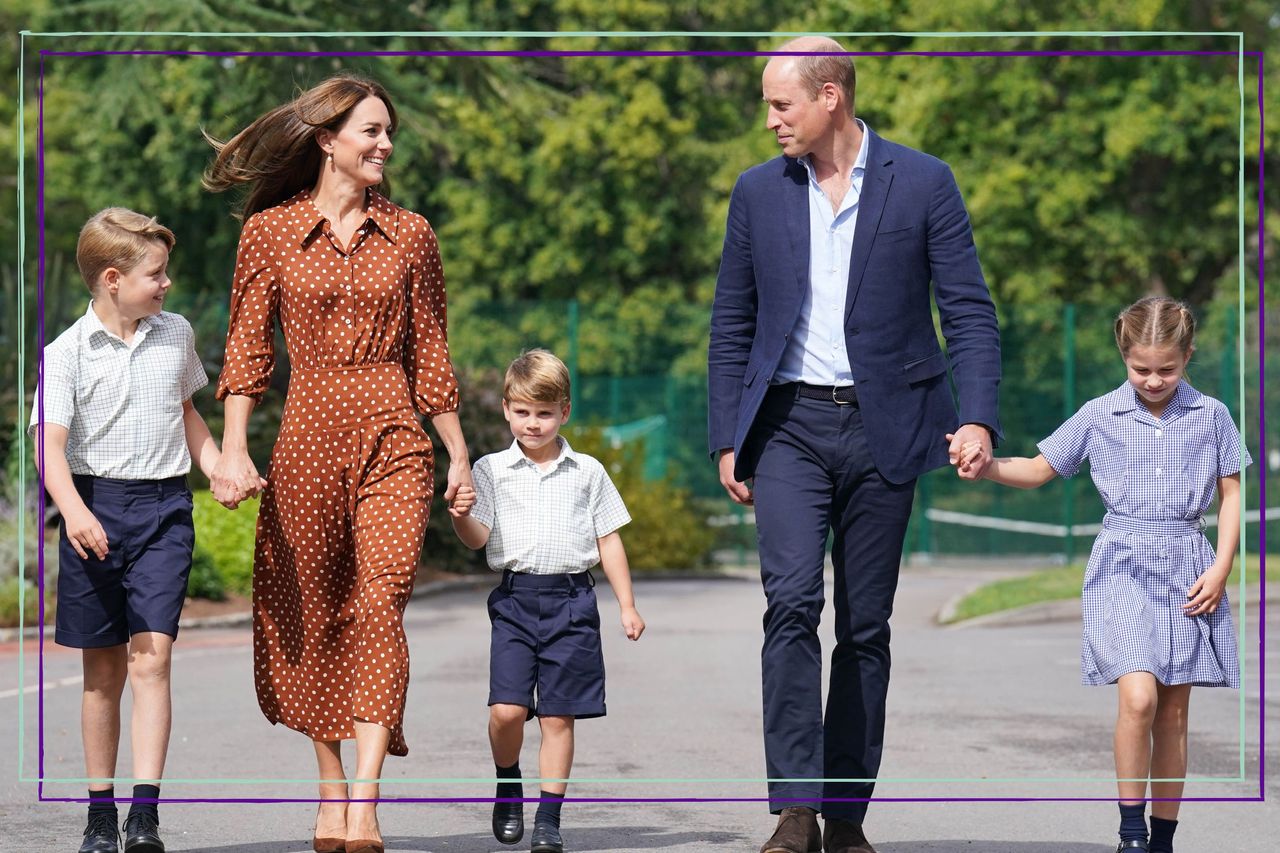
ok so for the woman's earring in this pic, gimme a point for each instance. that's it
(330, 157)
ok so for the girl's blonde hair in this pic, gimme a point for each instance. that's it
(277, 154)
(1156, 321)
(117, 237)
(537, 376)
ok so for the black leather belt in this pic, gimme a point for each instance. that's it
(841, 395)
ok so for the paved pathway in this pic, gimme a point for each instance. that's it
(998, 710)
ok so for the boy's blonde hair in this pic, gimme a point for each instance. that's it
(117, 237)
(1156, 321)
(537, 376)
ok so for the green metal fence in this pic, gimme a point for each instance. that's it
(1055, 358)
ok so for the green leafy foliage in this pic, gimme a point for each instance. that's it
(666, 531)
(606, 180)
(223, 558)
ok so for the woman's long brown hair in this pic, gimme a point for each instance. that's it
(277, 154)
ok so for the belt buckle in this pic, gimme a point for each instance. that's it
(835, 390)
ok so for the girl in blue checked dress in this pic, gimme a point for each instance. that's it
(1156, 617)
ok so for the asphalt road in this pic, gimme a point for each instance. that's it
(981, 712)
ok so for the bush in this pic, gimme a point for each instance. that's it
(667, 530)
(205, 581)
(10, 588)
(223, 558)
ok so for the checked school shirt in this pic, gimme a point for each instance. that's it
(545, 522)
(121, 402)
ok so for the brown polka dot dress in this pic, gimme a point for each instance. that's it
(341, 523)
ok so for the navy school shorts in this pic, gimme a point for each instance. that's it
(142, 583)
(544, 650)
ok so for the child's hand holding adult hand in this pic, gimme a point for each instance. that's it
(632, 623)
(85, 533)
(234, 479)
(1207, 591)
(463, 500)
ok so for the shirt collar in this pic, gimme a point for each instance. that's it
(1125, 399)
(859, 162)
(513, 456)
(93, 326)
(306, 217)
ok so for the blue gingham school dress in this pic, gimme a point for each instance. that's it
(1157, 476)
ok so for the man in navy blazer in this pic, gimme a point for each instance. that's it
(828, 397)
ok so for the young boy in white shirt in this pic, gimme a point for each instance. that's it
(545, 515)
(116, 436)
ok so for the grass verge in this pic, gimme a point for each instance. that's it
(1060, 583)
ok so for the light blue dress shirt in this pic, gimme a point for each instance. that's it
(816, 353)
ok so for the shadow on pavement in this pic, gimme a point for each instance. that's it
(621, 839)
(614, 839)
(965, 846)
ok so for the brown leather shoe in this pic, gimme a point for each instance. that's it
(797, 832)
(841, 836)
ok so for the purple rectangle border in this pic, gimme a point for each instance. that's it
(1262, 521)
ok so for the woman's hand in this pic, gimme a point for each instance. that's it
(235, 478)
(459, 477)
(463, 500)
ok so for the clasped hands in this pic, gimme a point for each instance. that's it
(235, 479)
(970, 451)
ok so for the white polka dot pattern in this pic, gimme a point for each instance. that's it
(342, 520)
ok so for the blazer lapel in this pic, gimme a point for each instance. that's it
(795, 203)
(875, 190)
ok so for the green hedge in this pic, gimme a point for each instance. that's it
(223, 558)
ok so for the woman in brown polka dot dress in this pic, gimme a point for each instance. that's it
(357, 285)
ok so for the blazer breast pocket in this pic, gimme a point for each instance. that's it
(896, 233)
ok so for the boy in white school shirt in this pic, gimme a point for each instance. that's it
(545, 515)
(117, 433)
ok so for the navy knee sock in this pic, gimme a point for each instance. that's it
(104, 803)
(1133, 822)
(549, 809)
(1162, 834)
(509, 790)
(146, 792)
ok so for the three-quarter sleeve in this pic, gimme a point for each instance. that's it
(255, 300)
(426, 355)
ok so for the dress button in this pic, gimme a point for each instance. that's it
(1159, 432)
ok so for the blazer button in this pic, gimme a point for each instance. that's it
(855, 331)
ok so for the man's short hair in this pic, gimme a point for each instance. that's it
(117, 237)
(815, 71)
(537, 376)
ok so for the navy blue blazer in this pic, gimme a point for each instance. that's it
(912, 229)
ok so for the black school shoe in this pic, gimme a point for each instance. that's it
(545, 839)
(101, 835)
(508, 822)
(142, 834)
(1132, 844)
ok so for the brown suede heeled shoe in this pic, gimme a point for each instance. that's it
(363, 845)
(328, 844)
